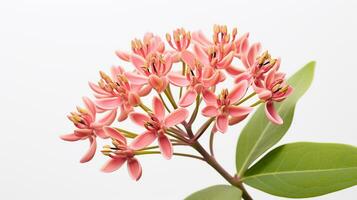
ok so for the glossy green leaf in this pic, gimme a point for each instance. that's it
(217, 192)
(304, 169)
(260, 134)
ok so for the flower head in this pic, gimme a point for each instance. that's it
(223, 106)
(156, 125)
(88, 127)
(119, 154)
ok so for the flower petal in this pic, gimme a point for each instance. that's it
(113, 133)
(109, 103)
(70, 137)
(109, 118)
(177, 116)
(209, 97)
(91, 151)
(201, 55)
(178, 80)
(238, 91)
(236, 120)
(90, 106)
(123, 55)
(134, 168)
(188, 98)
(271, 113)
(158, 108)
(139, 118)
(113, 164)
(222, 123)
(138, 62)
(226, 61)
(97, 89)
(165, 146)
(237, 111)
(210, 111)
(136, 79)
(143, 140)
(188, 58)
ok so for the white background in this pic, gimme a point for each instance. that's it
(50, 49)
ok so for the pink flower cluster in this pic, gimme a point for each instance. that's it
(198, 69)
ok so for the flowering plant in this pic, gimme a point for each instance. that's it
(167, 90)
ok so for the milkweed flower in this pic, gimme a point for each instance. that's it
(273, 89)
(116, 92)
(156, 124)
(121, 153)
(197, 79)
(223, 106)
(88, 127)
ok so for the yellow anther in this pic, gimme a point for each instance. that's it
(168, 37)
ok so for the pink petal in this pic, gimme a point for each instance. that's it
(165, 147)
(236, 120)
(97, 89)
(113, 165)
(143, 140)
(209, 97)
(135, 78)
(238, 91)
(158, 108)
(252, 54)
(237, 111)
(188, 98)
(263, 93)
(178, 80)
(139, 118)
(123, 55)
(113, 133)
(90, 106)
(233, 71)
(145, 90)
(91, 151)
(201, 38)
(245, 76)
(138, 62)
(115, 71)
(133, 99)
(176, 117)
(109, 118)
(123, 115)
(271, 113)
(134, 168)
(100, 133)
(188, 58)
(201, 55)
(210, 111)
(83, 132)
(109, 103)
(227, 60)
(222, 123)
(70, 137)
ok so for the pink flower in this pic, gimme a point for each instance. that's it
(88, 127)
(120, 154)
(181, 42)
(116, 92)
(255, 67)
(197, 79)
(152, 71)
(156, 125)
(219, 53)
(273, 88)
(150, 44)
(223, 106)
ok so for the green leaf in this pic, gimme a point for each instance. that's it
(305, 169)
(217, 192)
(260, 134)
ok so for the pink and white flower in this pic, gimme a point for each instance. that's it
(88, 127)
(121, 153)
(223, 106)
(156, 125)
(181, 41)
